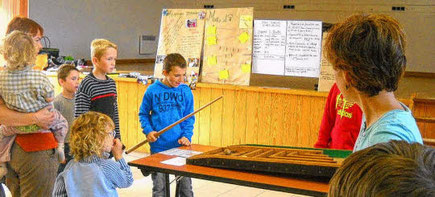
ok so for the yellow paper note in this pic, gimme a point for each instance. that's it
(245, 21)
(223, 74)
(244, 37)
(212, 60)
(246, 68)
(211, 40)
(211, 30)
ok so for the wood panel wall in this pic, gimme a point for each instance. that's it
(248, 114)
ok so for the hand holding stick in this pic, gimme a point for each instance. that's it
(172, 125)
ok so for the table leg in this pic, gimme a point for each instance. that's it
(168, 186)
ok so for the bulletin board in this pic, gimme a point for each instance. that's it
(181, 31)
(287, 48)
(327, 77)
(228, 46)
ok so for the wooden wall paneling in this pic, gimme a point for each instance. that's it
(140, 136)
(277, 119)
(317, 108)
(228, 117)
(252, 117)
(430, 127)
(132, 114)
(204, 117)
(196, 126)
(291, 123)
(264, 118)
(240, 117)
(216, 131)
(122, 89)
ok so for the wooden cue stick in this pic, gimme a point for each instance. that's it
(172, 125)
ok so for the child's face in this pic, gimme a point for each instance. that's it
(108, 141)
(107, 62)
(71, 82)
(174, 77)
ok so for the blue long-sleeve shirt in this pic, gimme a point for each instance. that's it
(162, 106)
(93, 176)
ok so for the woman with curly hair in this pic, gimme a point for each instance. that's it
(91, 173)
(368, 56)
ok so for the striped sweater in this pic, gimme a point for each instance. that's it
(98, 95)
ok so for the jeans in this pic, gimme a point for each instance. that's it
(159, 185)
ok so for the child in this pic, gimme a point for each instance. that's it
(368, 56)
(396, 168)
(91, 173)
(167, 102)
(68, 79)
(97, 92)
(341, 122)
(25, 90)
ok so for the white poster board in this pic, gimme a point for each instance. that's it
(290, 48)
(327, 77)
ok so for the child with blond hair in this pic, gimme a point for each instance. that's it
(91, 173)
(97, 91)
(25, 90)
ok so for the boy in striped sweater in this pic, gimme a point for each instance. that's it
(97, 92)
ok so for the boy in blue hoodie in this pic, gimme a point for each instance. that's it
(163, 104)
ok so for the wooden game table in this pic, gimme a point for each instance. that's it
(307, 186)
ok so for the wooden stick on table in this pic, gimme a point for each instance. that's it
(172, 125)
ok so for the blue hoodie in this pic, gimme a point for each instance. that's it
(162, 106)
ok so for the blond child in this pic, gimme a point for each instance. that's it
(91, 173)
(97, 91)
(68, 79)
(25, 90)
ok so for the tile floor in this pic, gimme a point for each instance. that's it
(142, 186)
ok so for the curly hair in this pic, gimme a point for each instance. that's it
(18, 50)
(396, 168)
(371, 49)
(99, 46)
(88, 133)
(174, 59)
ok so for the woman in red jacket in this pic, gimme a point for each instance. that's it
(340, 124)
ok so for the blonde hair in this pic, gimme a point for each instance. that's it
(19, 50)
(88, 133)
(99, 46)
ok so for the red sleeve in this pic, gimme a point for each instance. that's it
(328, 119)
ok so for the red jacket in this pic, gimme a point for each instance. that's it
(341, 122)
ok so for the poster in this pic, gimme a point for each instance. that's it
(228, 46)
(289, 48)
(326, 78)
(181, 31)
(269, 47)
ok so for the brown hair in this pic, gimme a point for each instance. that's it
(25, 25)
(64, 70)
(396, 168)
(174, 59)
(99, 46)
(370, 49)
(88, 132)
(18, 50)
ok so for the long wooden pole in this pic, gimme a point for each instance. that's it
(172, 125)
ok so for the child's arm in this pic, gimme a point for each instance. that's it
(46, 89)
(59, 187)
(119, 173)
(82, 102)
(328, 119)
(187, 125)
(144, 115)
